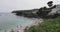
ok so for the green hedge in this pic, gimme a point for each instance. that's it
(49, 25)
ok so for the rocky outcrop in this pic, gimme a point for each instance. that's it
(55, 12)
(27, 13)
(43, 12)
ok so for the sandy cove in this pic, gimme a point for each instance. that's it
(21, 29)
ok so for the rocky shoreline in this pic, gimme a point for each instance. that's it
(22, 29)
(44, 12)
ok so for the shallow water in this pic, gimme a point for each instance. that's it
(11, 21)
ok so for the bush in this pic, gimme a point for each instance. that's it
(49, 25)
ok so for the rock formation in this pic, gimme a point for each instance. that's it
(52, 12)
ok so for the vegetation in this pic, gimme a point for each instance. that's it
(49, 25)
(43, 12)
(52, 24)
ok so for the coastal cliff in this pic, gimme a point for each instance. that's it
(43, 12)
(45, 25)
(27, 13)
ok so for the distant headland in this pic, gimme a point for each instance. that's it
(44, 12)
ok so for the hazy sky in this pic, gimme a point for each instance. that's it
(10, 5)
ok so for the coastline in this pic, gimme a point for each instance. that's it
(21, 29)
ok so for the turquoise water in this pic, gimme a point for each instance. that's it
(11, 21)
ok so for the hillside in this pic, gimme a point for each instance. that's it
(49, 25)
(43, 12)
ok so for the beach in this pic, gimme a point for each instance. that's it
(21, 29)
(10, 21)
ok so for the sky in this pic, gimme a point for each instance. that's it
(11, 5)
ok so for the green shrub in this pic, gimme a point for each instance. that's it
(49, 25)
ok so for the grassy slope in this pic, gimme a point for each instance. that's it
(49, 25)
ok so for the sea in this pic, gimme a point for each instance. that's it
(11, 21)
